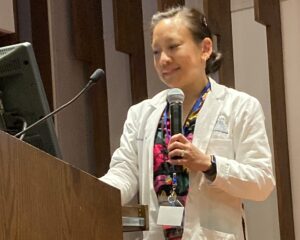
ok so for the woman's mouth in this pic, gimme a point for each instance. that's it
(169, 72)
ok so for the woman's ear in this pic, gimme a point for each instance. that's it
(206, 48)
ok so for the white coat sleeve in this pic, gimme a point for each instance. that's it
(249, 175)
(123, 172)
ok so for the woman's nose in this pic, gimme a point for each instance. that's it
(164, 58)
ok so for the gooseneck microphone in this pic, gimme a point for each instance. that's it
(97, 75)
(175, 99)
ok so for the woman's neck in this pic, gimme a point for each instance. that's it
(191, 95)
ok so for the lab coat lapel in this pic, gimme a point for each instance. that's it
(151, 123)
(208, 116)
(154, 115)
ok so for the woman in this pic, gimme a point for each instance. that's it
(224, 150)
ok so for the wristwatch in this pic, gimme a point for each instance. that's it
(212, 171)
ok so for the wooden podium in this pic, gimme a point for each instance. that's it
(42, 197)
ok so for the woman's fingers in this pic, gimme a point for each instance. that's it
(176, 145)
(183, 152)
(178, 138)
(177, 152)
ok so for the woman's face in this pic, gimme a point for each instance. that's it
(178, 59)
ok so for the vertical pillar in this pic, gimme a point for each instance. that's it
(218, 15)
(89, 48)
(129, 35)
(267, 12)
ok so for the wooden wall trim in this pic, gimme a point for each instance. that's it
(89, 48)
(163, 5)
(267, 12)
(218, 15)
(41, 44)
(8, 39)
(129, 38)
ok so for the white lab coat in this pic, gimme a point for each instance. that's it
(231, 126)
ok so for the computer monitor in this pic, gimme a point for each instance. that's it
(22, 98)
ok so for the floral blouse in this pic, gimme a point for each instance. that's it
(163, 171)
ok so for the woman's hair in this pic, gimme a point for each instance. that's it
(196, 23)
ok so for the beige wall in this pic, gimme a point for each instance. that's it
(7, 23)
(290, 10)
(73, 126)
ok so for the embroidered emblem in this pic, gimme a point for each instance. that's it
(221, 125)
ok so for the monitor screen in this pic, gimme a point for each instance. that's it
(22, 98)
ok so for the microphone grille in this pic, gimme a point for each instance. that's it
(175, 95)
(97, 74)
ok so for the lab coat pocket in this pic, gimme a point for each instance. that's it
(221, 147)
(208, 234)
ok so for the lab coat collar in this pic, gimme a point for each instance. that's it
(208, 115)
(217, 90)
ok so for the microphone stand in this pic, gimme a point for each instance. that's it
(99, 73)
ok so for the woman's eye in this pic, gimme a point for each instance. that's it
(155, 52)
(173, 46)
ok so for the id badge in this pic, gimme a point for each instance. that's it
(170, 215)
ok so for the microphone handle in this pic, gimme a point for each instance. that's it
(87, 86)
(176, 118)
(176, 125)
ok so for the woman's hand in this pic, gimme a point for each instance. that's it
(191, 156)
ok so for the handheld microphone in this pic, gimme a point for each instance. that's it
(97, 75)
(175, 99)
